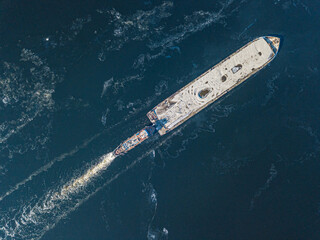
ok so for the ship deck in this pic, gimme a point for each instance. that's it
(214, 83)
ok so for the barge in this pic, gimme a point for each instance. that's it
(206, 89)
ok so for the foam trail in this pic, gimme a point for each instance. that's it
(48, 165)
(18, 128)
(74, 185)
(36, 217)
(65, 195)
(86, 198)
(58, 159)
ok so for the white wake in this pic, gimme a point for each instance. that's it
(74, 185)
(40, 214)
(56, 204)
(48, 166)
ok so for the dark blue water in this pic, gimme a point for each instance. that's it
(78, 77)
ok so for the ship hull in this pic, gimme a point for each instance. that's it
(214, 83)
(135, 140)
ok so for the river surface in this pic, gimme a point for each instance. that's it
(78, 77)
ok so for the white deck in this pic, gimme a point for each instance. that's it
(215, 82)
